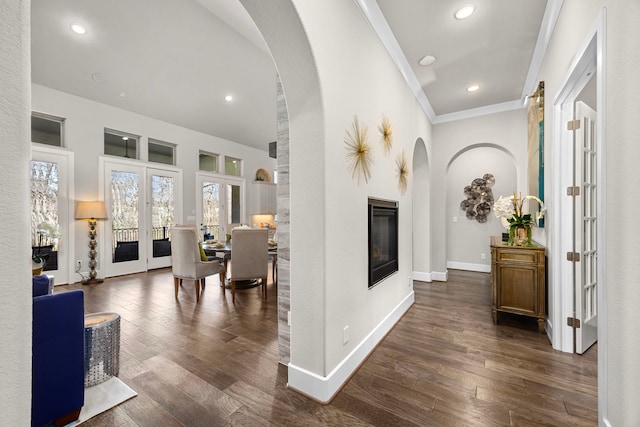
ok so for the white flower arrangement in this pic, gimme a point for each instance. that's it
(510, 211)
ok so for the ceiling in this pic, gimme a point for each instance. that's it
(178, 63)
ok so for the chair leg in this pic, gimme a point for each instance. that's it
(233, 291)
(176, 283)
(197, 284)
(203, 282)
(264, 287)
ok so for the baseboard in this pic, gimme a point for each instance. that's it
(323, 389)
(481, 268)
(434, 276)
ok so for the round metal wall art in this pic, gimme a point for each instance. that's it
(479, 198)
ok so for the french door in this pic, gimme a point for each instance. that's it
(220, 203)
(164, 204)
(143, 203)
(585, 228)
(51, 195)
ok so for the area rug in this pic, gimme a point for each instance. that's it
(102, 397)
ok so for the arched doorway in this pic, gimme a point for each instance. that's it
(421, 217)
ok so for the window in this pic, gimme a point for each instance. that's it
(120, 144)
(232, 166)
(208, 162)
(45, 228)
(47, 129)
(161, 152)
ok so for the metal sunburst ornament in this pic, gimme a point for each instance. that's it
(386, 133)
(402, 171)
(359, 154)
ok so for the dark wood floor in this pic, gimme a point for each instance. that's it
(444, 363)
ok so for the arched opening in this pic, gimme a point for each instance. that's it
(467, 232)
(421, 218)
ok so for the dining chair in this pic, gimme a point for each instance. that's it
(187, 262)
(249, 257)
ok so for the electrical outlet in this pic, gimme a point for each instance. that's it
(483, 256)
(345, 336)
(78, 265)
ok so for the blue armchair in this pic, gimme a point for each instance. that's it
(58, 358)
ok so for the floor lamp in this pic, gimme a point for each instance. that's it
(91, 211)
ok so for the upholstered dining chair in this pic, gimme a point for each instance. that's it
(249, 257)
(187, 261)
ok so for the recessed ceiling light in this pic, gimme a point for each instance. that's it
(427, 60)
(126, 138)
(228, 98)
(465, 11)
(78, 29)
(473, 88)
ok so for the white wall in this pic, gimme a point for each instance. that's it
(367, 84)
(84, 128)
(619, 344)
(15, 262)
(467, 149)
(355, 76)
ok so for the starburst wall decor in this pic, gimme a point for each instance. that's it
(386, 134)
(359, 155)
(402, 171)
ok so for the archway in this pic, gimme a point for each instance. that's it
(300, 118)
(421, 218)
(467, 237)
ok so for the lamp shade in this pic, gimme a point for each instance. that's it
(88, 210)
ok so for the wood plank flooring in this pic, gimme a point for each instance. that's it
(444, 364)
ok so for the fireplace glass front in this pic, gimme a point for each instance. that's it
(383, 239)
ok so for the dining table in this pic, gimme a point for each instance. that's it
(217, 248)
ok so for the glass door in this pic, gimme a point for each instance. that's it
(125, 196)
(50, 196)
(220, 204)
(165, 207)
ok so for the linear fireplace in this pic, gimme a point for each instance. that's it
(383, 239)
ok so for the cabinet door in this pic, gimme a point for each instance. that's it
(518, 291)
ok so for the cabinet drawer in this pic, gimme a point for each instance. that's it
(519, 256)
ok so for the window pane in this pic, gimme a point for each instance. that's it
(208, 162)
(46, 130)
(162, 213)
(120, 145)
(125, 196)
(211, 208)
(232, 166)
(45, 229)
(233, 203)
(161, 153)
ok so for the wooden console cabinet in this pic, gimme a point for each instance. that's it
(518, 281)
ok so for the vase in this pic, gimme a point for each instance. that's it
(520, 235)
(36, 268)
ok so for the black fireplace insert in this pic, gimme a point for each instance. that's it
(383, 239)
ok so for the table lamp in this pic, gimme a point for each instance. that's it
(91, 211)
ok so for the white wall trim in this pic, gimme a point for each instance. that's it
(376, 19)
(323, 389)
(440, 276)
(421, 276)
(480, 111)
(549, 21)
(482, 268)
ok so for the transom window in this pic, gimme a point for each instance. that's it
(161, 152)
(47, 129)
(232, 166)
(120, 144)
(208, 162)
